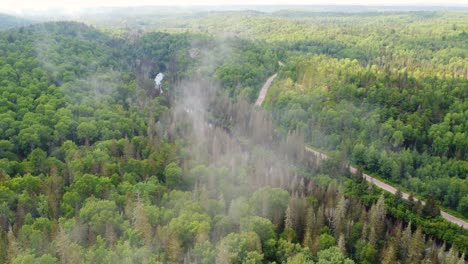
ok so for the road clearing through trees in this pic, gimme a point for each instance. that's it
(264, 90)
(376, 182)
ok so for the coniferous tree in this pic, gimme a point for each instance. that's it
(389, 254)
(340, 214)
(377, 221)
(4, 245)
(416, 247)
(405, 244)
(430, 208)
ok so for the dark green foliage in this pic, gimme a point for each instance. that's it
(399, 209)
(245, 73)
(173, 175)
(98, 167)
(408, 129)
(365, 253)
(431, 208)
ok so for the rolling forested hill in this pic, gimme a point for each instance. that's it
(7, 21)
(389, 89)
(99, 165)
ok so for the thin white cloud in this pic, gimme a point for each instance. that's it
(73, 5)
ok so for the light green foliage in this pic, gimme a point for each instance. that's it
(245, 73)
(101, 217)
(205, 253)
(286, 249)
(326, 241)
(84, 186)
(270, 203)
(253, 257)
(463, 205)
(36, 235)
(299, 259)
(265, 231)
(238, 248)
(188, 225)
(238, 209)
(173, 175)
(261, 226)
(97, 167)
(332, 255)
(365, 253)
(87, 131)
(29, 258)
(373, 109)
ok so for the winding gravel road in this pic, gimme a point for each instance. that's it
(376, 182)
(264, 90)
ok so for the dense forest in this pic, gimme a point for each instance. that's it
(98, 165)
(387, 89)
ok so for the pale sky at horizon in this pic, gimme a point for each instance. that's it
(73, 5)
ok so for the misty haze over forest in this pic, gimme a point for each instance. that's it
(234, 134)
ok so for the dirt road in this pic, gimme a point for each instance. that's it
(391, 189)
(264, 90)
(368, 178)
